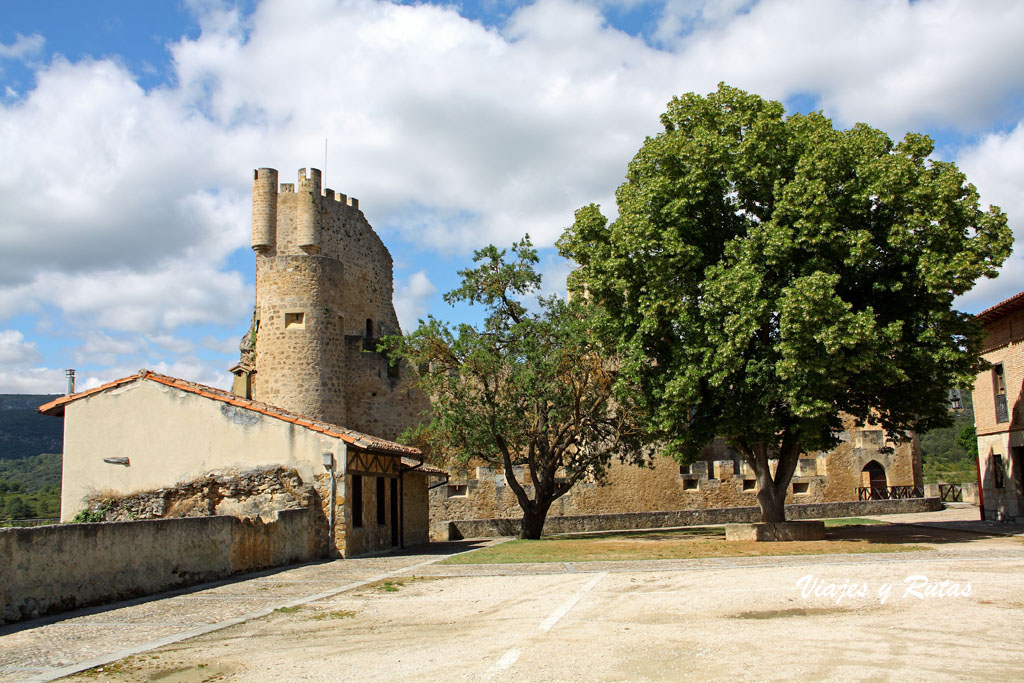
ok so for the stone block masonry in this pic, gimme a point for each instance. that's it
(490, 528)
(324, 287)
(720, 479)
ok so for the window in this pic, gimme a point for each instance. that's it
(458, 490)
(689, 484)
(381, 509)
(294, 320)
(998, 473)
(357, 500)
(369, 329)
(999, 384)
(800, 487)
(749, 484)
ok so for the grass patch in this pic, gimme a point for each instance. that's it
(691, 543)
(288, 610)
(851, 521)
(339, 614)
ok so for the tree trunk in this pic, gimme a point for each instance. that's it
(773, 505)
(533, 520)
(771, 491)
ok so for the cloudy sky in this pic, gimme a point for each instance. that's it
(129, 131)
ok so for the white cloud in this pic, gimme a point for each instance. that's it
(893, 64)
(995, 165)
(102, 349)
(32, 381)
(120, 206)
(412, 299)
(22, 47)
(14, 350)
(227, 345)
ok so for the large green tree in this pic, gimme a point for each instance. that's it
(768, 273)
(528, 392)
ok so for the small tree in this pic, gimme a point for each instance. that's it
(529, 390)
(767, 274)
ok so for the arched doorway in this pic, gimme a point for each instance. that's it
(873, 477)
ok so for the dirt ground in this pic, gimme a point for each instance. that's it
(954, 611)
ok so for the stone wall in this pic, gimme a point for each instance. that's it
(721, 479)
(489, 528)
(63, 567)
(249, 494)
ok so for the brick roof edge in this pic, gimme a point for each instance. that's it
(1002, 308)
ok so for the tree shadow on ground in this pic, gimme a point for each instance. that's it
(909, 533)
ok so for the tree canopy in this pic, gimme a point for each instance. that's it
(768, 273)
(528, 392)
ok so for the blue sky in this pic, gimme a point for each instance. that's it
(129, 131)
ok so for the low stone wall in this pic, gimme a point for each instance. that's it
(488, 528)
(62, 567)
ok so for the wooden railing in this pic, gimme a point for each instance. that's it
(951, 493)
(889, 492)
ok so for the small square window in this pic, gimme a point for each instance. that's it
(455, 490)
(294, 321)
(690, 484)
(800, 487)
(749, 484)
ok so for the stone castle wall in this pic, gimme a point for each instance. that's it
(721, 479)
(324, 287)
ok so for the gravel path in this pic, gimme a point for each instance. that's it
(725, 618)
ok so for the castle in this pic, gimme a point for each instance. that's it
(324, 287)
(323, 299)
(311, 393)
(323, 296)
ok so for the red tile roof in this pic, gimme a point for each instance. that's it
(422, 467)
(358, 439)
(1002, 308)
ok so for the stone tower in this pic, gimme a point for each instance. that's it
(323, 298)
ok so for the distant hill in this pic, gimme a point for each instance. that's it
(23, 431)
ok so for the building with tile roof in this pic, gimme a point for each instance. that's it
(149, 431)
(999, 412)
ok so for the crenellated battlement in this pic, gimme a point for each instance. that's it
(310, 181)
(308, 202)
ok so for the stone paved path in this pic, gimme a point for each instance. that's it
(45, 649)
